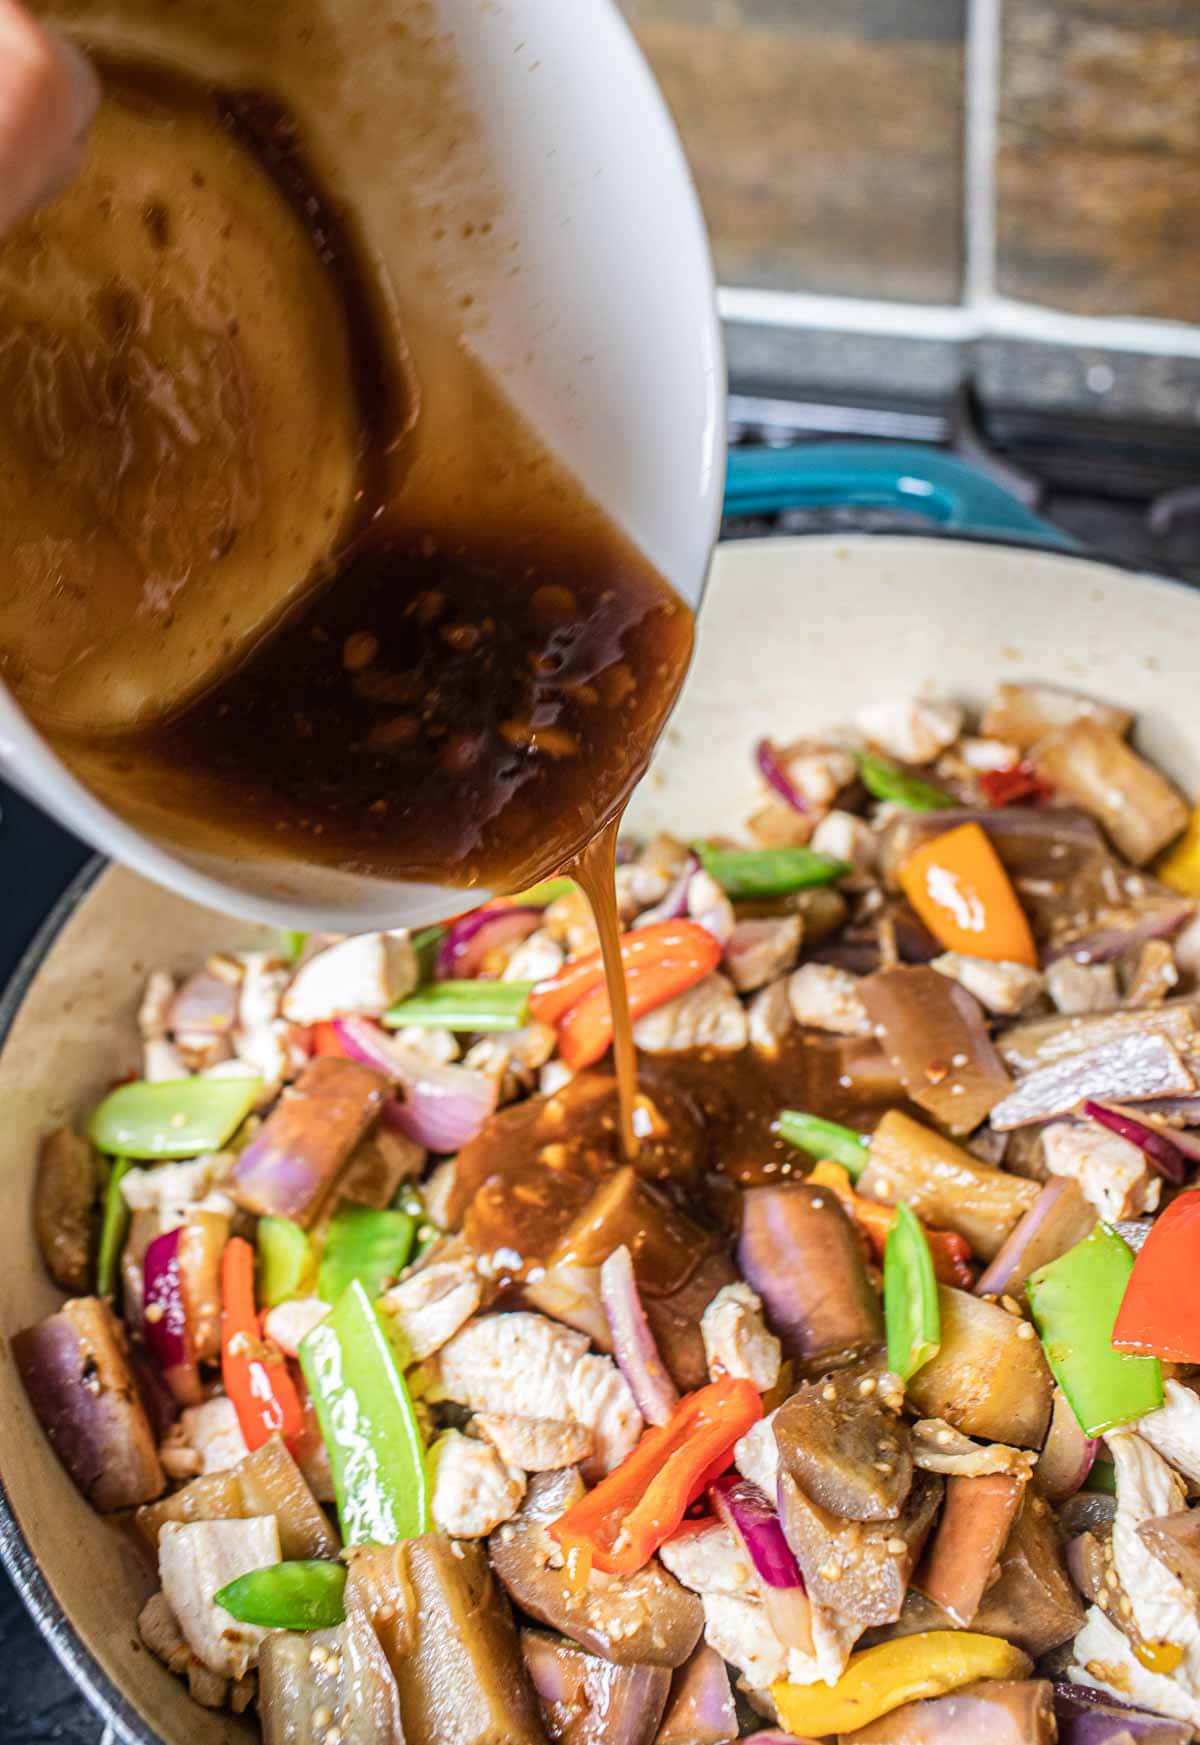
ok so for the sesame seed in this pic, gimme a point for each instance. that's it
(944, 1438)
(1126, 1606)
(1011, 1304)
(829, 1392)
(884, 1466)
(896, 1547)
(322, 1716)
(333, 1737)
(153, 1313)
(866, 1386)
(830, 1571)
(1025, 1331)
(1110, 1578)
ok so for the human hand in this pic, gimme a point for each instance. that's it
(48, 94)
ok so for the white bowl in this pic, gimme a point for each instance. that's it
(589, 299)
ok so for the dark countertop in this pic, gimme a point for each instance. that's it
(39, 1704)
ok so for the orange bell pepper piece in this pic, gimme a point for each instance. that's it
(959, 888)
(253, 1370)
(951, 1252)
(660, 961)
(1160, 1311)
(623, 1521)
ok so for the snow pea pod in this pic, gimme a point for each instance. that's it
(1075, 1300)
(113, 1225)
(368, 1425)
(287, 1596)
(478, 1006)
(284, 1260)
(910, 1296)
(769, 872)
(825, 1140)
(363, 1244)
(175, 1118)
(887, 781)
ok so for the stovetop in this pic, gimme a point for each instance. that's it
(1129, 493)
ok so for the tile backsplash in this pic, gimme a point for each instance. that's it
(828, 139)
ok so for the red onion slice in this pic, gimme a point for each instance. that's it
(1012, 1264)
(771, 768)
(1158, 920)
(636, 1353)
(443, 1106)
(748, 1514)
(164, 1317)
(205, 1005)
(673, 906)
(1067, 1454)
(1160, 1152)
(462, 952)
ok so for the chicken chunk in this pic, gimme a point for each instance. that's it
(534, 1444)
(154, 1011)
(473, 1488)
(265, 976)
(365, 974)
(736, 1340)
(988, 754)
(1174, 1430)
(272, 1052)
(827, 998)
(514, 1056)
(1114, 1174)
(1164, 1610)
(756, 1455)
(162, 1062)
(1082, 987)
(710, 1015)
(708, 905)
(172, 1189)
(640, 887)
(535, 959)
(818, 771)
(913, 729)
(215, 1434)
(1004, 988)
(769, 1016)
(709, 1560)
(195, 1560)
(430, 1306)
(527, 1364)
(289, 1323)
(757, 951)
(849, 838)
(159, 1630)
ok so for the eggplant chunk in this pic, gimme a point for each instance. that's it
(989, 1378)
(589, 1701)
(1175, 1541)
(976, 1518)
(675, 1319)
(844, 1448)
(303, 1695)
(945, 1186)
(860, 1569)
(464, 1683)
(700, 1709)
(76, 1370)
(267, 1482)
(641, 1619)
(802, 1255)
(996, 1711)
(64, 1193)
(1034, 1603)
(291, 1163)
(934, 1033)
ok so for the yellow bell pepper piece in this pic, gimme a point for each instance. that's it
(1179, 868)
(880, 1679)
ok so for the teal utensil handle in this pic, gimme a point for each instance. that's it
(951, 494)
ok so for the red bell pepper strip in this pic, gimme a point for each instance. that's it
(1020, 781)
(1160, 1311)
(660, 961)
(622, 1523)
(255, 1374)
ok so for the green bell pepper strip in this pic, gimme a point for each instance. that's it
(372, 1247)
(425, 943)
(825, 1139)
(769, 872)
(886, 781)
(287, 1596)
(293, 943)
(541, 896)
(910, 1296)
(368, 1425)
(177, 1118)
(113, 1225)
(470, 1005)
(285, 1260)
(1075, 1300)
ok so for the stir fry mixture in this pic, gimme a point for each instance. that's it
(858, 1406)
